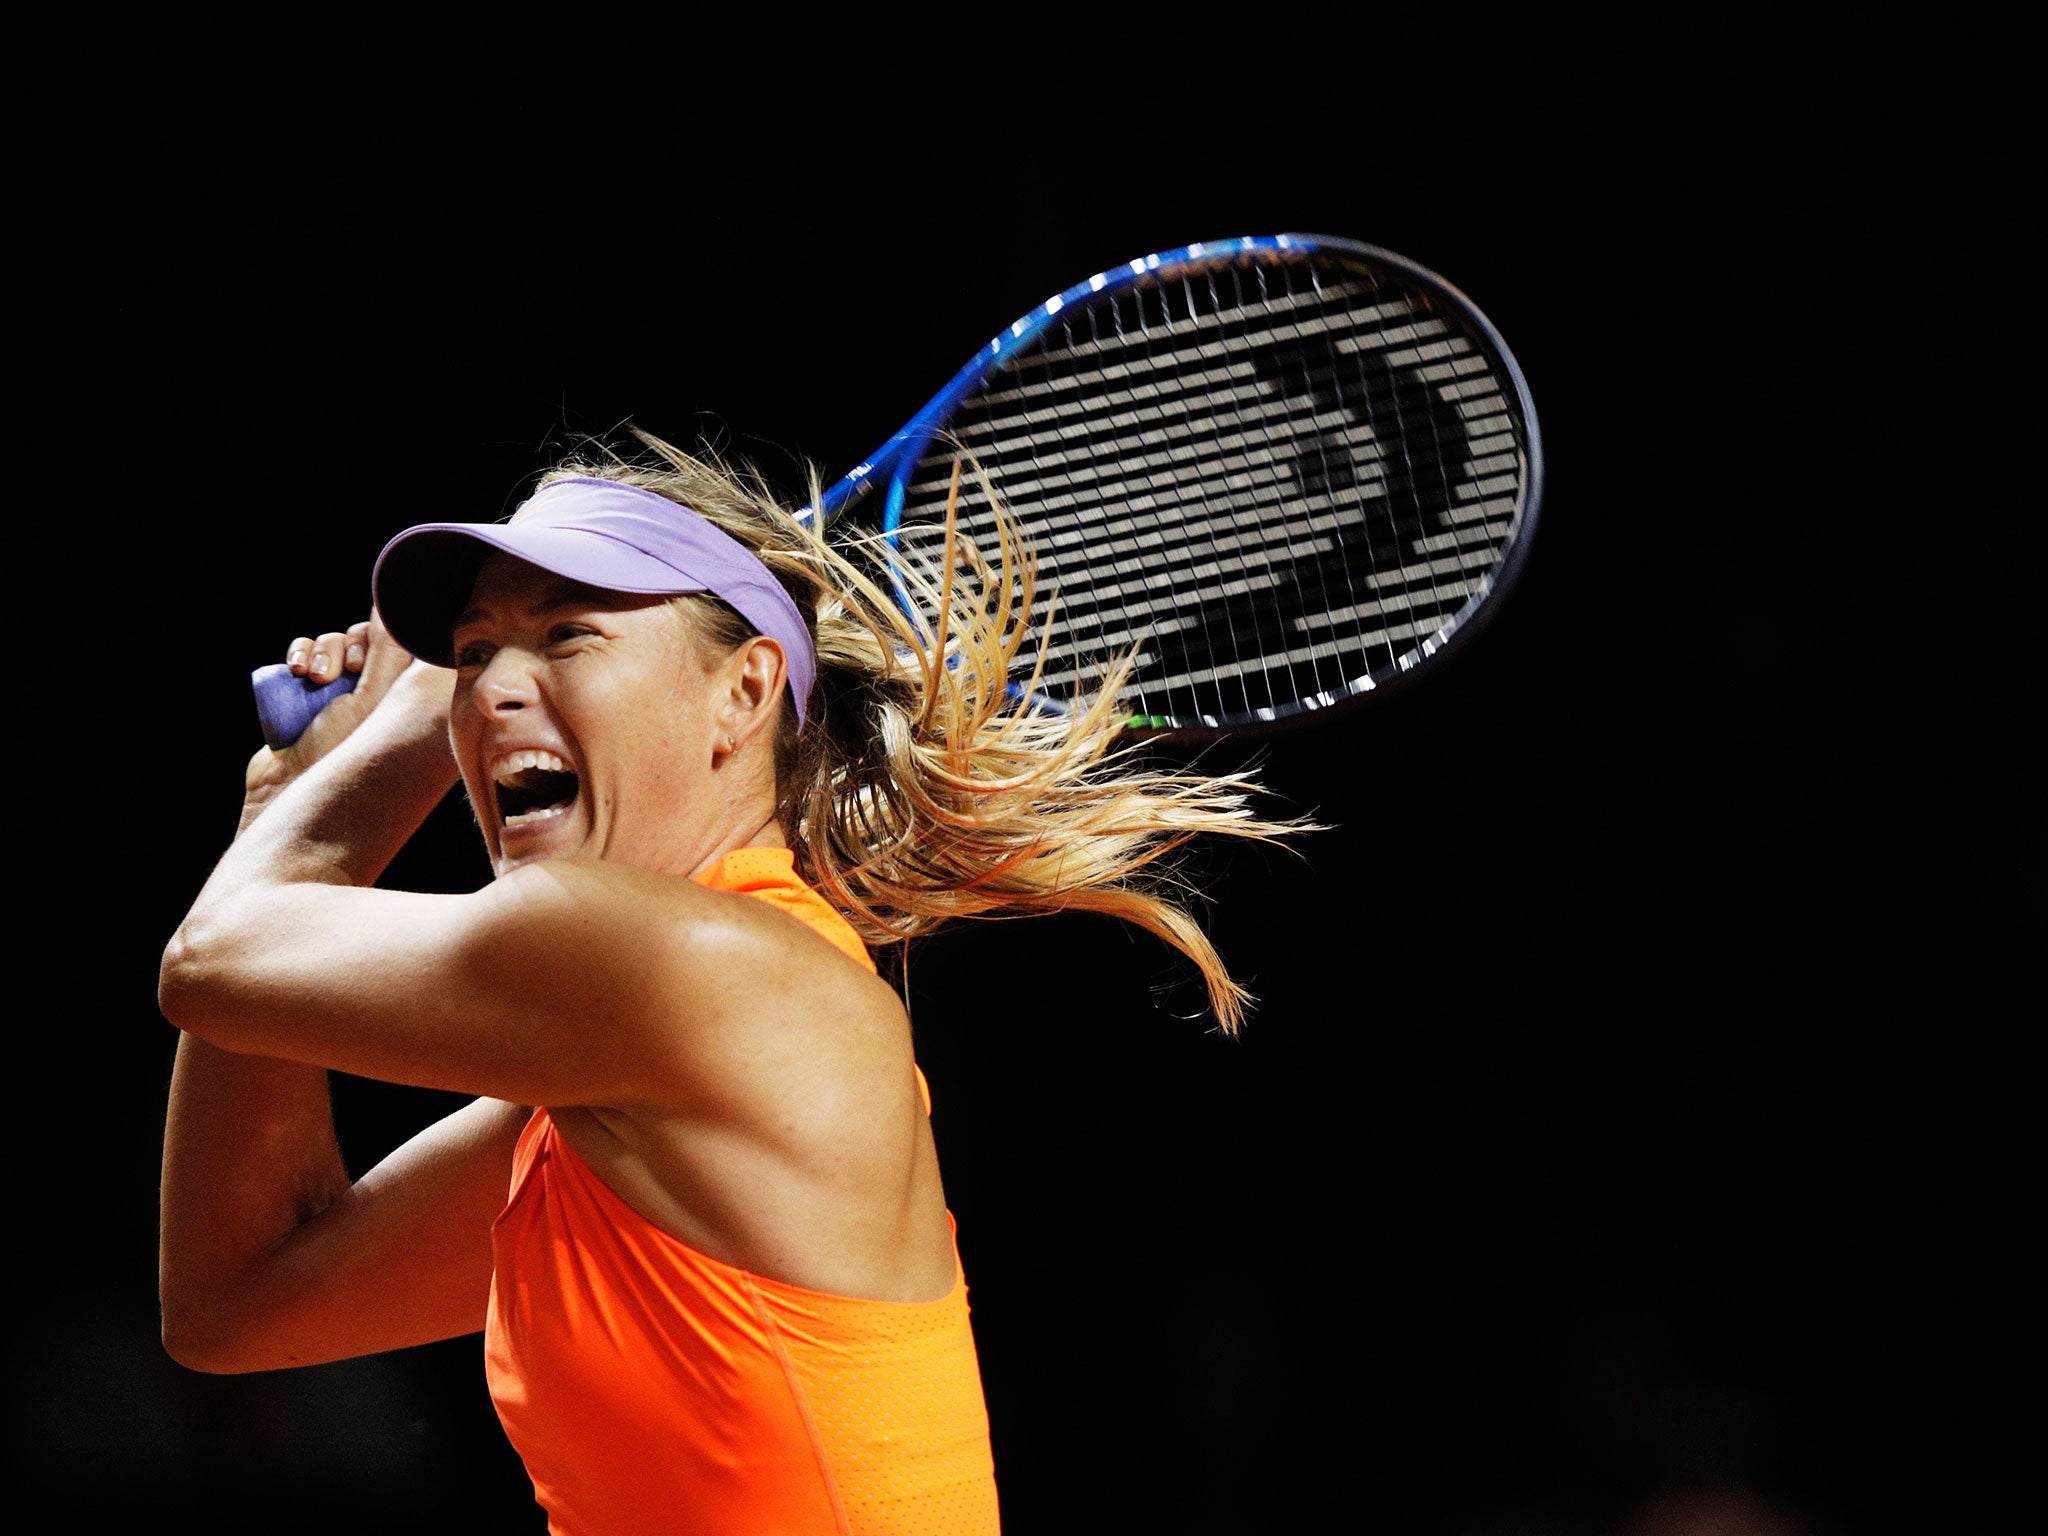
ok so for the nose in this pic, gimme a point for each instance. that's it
(505, 684)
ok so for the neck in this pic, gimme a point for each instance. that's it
(751, 827)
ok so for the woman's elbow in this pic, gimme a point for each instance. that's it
(223, 1327)
(173, 975)
(194, 988)
(201, 1340)
(181, 984)
(191, 1350)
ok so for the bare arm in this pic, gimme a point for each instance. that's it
(563, 982)
(271, 1258)
(268, 1256)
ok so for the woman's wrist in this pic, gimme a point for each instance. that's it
(348, 812)
(398, 752)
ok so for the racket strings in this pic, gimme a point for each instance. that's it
(1326, 479)
(1103, 464)
(1282, 482)
(1314, 474)
(1041, 412)
(1373, 413)
(1166, 598)
(1239, 676)
(1254, 685)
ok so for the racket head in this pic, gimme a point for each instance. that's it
(1292, 471)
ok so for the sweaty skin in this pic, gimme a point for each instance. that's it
(640, 1378)
(738, 1082)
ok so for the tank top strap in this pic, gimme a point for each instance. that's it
(769, 874)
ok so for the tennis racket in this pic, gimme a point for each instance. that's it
(1289, 470)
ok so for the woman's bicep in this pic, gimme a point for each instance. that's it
(402, 1258)
(527, 991)
(363, 981)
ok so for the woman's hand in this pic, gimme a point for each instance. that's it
(388, 679)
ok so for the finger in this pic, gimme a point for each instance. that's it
(358, 648)
(298, 653)
(386, 659)
(329, 650)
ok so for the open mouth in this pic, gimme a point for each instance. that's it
(533, 786)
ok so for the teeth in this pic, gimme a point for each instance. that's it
(540, 815)
(519, 762)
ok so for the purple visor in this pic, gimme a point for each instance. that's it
(617, 538)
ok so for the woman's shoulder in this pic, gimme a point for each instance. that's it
(719, 950)
(747, 995)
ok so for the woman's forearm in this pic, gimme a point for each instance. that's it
(249, 1157)
(249, 1148)
(345, 818)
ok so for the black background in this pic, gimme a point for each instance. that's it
(1627, 1128)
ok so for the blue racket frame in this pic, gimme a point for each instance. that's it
(895, 462)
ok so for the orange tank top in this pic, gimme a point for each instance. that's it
(650, 1388)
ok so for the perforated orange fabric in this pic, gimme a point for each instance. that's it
(650, 1388)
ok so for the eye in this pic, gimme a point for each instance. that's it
(567, 633)
(475, 653)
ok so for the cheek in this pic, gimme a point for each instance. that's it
(666, 752)
(462, 742)
(644, 731)
(469, 759)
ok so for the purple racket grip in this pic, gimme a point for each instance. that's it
(286, 704)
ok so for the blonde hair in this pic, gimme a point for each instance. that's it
(923, 788)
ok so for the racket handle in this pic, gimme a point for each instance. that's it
(286, 705)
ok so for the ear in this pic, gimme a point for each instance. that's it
(749, 693)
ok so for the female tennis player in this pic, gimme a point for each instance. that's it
(712, 762)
